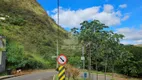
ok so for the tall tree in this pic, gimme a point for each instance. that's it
(89, 34)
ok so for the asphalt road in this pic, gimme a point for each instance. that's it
(48, 75)
(36, 76)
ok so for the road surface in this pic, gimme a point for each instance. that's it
(48, 75)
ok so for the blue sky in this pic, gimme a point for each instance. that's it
(123, 16)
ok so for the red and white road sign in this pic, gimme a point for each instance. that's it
(62, 59)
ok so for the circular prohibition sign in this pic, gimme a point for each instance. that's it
(62, 59)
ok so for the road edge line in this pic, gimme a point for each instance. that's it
(54, 77)
(6, 77)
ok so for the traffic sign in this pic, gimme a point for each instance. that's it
(82, 58)
(62, 59)
(85, 75)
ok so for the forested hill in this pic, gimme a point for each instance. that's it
(26, 25)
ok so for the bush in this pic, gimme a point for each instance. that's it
(15, 55)
(75, 61)
(71, 71)
(17, 58)
(16, 20)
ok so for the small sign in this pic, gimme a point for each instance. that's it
(62, 59)
(85, 75)
(82, 58)
(54, 56)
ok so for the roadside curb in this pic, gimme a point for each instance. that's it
(5, 77)
(54, 77)
(10, 76)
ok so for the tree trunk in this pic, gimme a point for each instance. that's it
(83, 61)
(113, 71)
(106, 68)
(89, 65)
(96, 70)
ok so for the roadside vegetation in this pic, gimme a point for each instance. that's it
(105, 53)
(30, 35)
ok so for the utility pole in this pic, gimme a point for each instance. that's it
(89, 58)
(83, 58)
(106, 67)
(58, 31)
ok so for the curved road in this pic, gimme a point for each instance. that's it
(48, 75)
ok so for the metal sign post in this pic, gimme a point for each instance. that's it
(62, 60)
(61, 74)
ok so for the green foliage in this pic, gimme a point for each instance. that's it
(35, 61)
(17, 58)
(3, 73)
(16, 20)
(132, 66)
(72, 50)
(107, 52)
(75, 61)
(15, 55)
(31, 34)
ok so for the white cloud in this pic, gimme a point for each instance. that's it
(125, 17)
(108, 8)
(72, 18)
(123, 5)
(139, 41)
(131, 34)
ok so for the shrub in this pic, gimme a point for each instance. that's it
(16, 20)
(71, 71)
(17, 58)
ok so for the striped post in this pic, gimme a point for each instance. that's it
(61, 74)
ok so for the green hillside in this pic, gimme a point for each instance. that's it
(29, 31)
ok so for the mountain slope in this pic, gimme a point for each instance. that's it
(26, 23)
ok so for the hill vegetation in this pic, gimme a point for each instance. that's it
(30, 33)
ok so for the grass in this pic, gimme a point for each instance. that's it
(3, 73)
(30, 26)
(39, 58)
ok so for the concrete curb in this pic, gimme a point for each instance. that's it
(54, 77)
(10, 76)
(5, 77)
